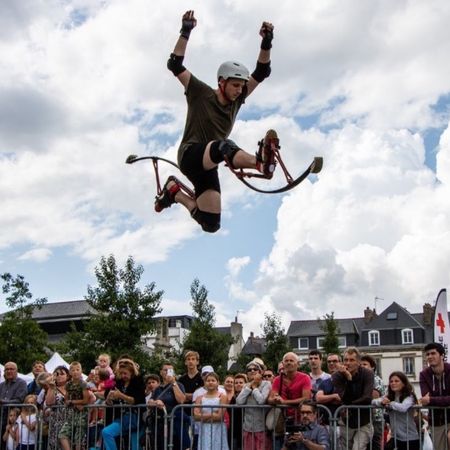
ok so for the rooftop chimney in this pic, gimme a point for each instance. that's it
(428, 313)
(369, 314)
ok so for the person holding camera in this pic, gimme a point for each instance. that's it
(165, 398)
(308, 434)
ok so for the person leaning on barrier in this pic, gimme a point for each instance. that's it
(399, 403)
(12, 390)
(165, 398)
(326, 395)
(289, 388)
(255, 392)
(129, 391)
(379, 390)
(235, 429)
(354, 385)
(435, 390)
(54, 410)
(307, 434)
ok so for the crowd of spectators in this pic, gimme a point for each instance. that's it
(258, 409)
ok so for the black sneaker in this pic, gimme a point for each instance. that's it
(167, 197)
(265, 157)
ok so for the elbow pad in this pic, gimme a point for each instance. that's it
(175, 64)
(262, 71)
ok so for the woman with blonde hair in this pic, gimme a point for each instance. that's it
(129, 391)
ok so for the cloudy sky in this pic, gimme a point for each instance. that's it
(366, 85)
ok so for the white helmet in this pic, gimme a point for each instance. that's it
(233, 69)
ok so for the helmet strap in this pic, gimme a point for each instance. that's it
(222, 90)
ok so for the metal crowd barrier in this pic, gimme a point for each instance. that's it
(124, 427)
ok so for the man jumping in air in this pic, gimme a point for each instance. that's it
(210, 118)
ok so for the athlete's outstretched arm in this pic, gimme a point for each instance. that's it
(175, 62)
(262, 69)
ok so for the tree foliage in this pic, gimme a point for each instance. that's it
(21, 339)
(277, 343)
(330, 327)
(122, 315)
(212, 345)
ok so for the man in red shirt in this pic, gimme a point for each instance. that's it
(290, 388)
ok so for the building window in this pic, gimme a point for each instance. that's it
(374, 337)
(342, 341)
(408, 365)
(303, 343)
(407, 336)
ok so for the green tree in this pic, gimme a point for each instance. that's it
(329, 325)
(21, 338)
(123, 314)
(212, 346)
(277, 343)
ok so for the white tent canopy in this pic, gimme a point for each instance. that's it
(55, 361)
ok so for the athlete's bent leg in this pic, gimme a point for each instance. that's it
(218, 151)
(207, 212)
(210, 222)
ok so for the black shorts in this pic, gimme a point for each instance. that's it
(192, 167)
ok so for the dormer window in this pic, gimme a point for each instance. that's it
(374, 337)
(407, 336)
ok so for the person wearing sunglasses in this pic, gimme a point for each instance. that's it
(325, 395)
(268, 375)
(255, 392)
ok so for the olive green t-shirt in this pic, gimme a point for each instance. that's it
(207, 120)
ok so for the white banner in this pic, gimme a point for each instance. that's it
(441, 324)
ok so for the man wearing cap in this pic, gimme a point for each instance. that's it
(435, 389)
(206, 370)
(255, 392)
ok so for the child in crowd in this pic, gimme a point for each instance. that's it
(10, 435)
(105, 380)
(213, 433)
(26, 424)
(152, 381)
(76, 397)
(104, 362)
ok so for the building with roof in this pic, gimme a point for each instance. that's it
(394, 338)
(58, 318)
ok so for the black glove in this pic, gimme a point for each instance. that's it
(188, 23)
(267, 36)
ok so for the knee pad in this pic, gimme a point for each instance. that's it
(210, 222)
(223, 150)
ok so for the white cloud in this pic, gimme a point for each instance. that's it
(375, 224)
(37, 255)
(235, 265)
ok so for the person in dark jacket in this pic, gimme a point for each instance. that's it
(435, 390)
(354, 385)
(129, 391)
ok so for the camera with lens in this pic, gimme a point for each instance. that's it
(292, 428)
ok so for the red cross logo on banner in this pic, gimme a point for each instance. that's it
(440, 323)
